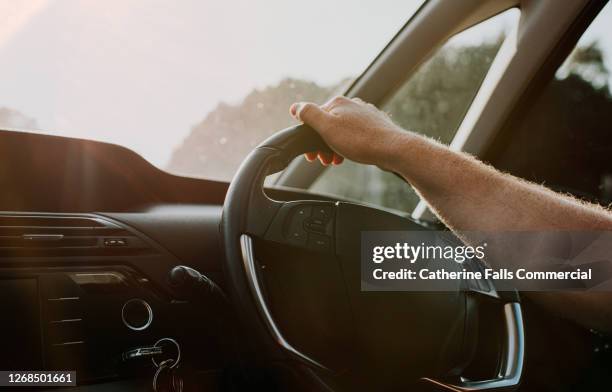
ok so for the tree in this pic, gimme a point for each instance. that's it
(588, 63)
(218, 144)
(10, 118)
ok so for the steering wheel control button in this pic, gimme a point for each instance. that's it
(315, 225)
(322, 213)
(137, 314)
(304, 224)
(320, 220)
(319, 242)
(297, 236)
(303, 212)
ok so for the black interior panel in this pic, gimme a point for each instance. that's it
(57, 174)
(21, 347)
(189, 232)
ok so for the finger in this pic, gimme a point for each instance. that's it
(334, 102)
(325, 158)
(311, 114)
(327, 106)
(337, 159)
(311, 156)
(293, 110)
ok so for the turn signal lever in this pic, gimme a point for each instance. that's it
(188, 284)
(194, 287)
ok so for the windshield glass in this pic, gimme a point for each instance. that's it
(191, 85)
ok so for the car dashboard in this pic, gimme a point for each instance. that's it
(85, 289)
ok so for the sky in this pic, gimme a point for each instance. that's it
(141, 73)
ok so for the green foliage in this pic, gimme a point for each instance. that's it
(433, 102)
(588, 63)
(10, 118)
(217, 145)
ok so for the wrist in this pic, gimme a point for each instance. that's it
(395, 150)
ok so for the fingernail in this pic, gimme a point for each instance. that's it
(293, 109)
(325, 158)
(310, 156)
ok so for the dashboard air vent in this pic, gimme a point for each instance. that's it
(58, 235)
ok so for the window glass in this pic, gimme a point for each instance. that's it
(433, 101)
(564, 138)
(191, 85)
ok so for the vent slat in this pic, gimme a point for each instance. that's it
(49, 235)
(21, 242)
(75, 231)
(47, 221)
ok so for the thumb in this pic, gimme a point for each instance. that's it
(310, 113)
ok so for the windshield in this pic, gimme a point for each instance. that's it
(190, 85)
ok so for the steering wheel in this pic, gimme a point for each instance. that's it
(293, 272)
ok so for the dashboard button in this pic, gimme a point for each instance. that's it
(115, 242)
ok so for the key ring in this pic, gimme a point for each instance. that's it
(163, 365)
(178, 352)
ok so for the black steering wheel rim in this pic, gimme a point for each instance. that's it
(246, 212)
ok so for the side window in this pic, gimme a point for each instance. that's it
(564, 137)
(432, 101)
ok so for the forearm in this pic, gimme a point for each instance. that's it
(469, 195)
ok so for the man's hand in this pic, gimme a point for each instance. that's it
(353, 129)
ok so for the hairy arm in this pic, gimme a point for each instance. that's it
(466, 194)
(463, 192)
